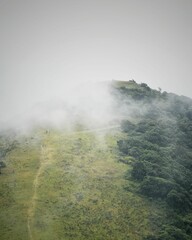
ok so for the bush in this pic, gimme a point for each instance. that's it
(127, 126)
(156, 187)
(178, 200)
(150, 237)
(152, 156)
(122, 144)
(2, 164)
(173, 233)
(139, 171)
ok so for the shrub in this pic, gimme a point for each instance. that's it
(156, 187)
(173, 233)
(138, 171)
(122, 144)
(178, 200)
(127, 126)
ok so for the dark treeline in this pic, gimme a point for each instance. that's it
(159, 144)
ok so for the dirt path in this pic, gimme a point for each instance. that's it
(99, 129)
(31, 210)
(94, 130)
(44, 160)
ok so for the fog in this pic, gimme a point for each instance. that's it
(50, 49)
(90, 105)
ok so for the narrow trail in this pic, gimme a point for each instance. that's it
(95, 130)
(44, 160)
(99, 129)
(31, 210)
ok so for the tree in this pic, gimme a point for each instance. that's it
(2, 165)
(138, 171)
(156, 187)
(178, 200)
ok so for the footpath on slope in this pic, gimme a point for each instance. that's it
(45, 159)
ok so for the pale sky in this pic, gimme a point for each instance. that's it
(45, 45)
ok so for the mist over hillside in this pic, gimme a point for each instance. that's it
(91, 104)
(84, 157)
(110, 160)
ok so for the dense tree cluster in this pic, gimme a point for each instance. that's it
(160, 144)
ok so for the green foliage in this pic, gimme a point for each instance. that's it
(173, 233)
(2, 164)
(122, 146)
(180, 201)
(151, 156)
(160, 141)
(82, 185)
(127, 126)
(69, 185)
(156, 187)
(139, 170)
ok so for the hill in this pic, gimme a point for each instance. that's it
(130, 179)
(159, 144)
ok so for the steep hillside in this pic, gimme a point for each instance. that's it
(70, 186)
(130, 179)
(159, 144)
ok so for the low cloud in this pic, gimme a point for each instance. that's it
(88, 104)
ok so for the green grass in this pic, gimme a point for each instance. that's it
(81, 191)
(16, 183)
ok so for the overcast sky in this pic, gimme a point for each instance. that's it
(46, 45)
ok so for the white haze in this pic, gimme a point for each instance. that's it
(46, 45)
(88, 104)
(51, 50)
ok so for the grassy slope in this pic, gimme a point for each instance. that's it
(16, 183)
(70, 186)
